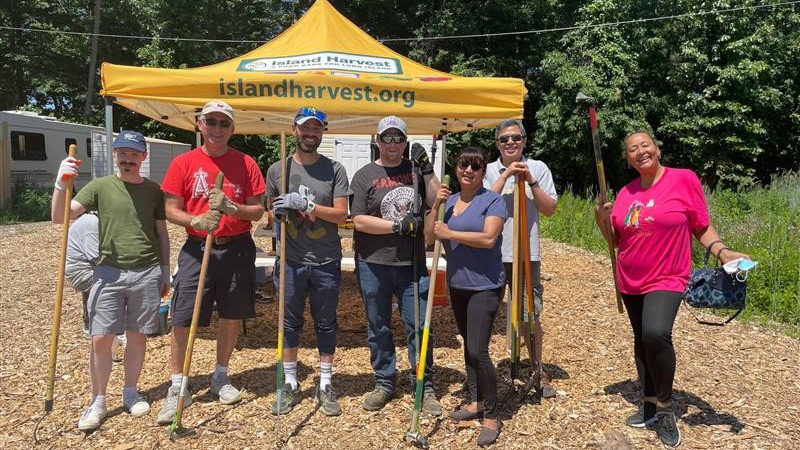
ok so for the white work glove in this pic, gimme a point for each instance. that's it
(284, 202)
(66, 171)
(219, 201)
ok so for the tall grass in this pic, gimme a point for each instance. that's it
(763, 222)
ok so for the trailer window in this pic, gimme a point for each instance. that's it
(88, 147)
(27, 146)
(67, 143)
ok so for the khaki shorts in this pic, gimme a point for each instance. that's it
(124, 299)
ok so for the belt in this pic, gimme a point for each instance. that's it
(219, 240)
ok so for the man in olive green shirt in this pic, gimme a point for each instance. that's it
(132, 273)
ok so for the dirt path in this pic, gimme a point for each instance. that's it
(736, 387)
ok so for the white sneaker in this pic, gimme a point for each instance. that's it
(91, 417)
(222, 387)
(137, 406)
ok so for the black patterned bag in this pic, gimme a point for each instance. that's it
(713, 288)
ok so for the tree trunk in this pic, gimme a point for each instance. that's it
(87, 107)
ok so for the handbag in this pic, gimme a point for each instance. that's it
(713, 288)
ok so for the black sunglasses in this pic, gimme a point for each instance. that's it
(212, 122)
(513, 137)
(475, 162)
(397, 138)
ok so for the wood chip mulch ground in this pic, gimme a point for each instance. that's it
(736, 387)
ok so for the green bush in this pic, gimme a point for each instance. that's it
(762, 222)
(28, 204)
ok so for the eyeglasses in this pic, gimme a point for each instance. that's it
(212, 122)
(311, 112)
(513, 137)
(397, 138)
(475, 162)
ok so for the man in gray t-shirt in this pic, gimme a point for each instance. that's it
(540, 197)
(313, 206)
(83, 251)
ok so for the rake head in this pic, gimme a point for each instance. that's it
(416, 439)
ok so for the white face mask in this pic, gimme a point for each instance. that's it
(740, 267)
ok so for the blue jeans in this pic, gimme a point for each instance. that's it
(378, 282)
(321, 284)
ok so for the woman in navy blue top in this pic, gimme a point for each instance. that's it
(471, 236)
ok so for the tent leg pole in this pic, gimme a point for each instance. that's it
(109, 135)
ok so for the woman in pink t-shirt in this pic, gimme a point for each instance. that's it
(652, 223)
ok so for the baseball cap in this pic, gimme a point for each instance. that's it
(307, 113)
(391, 122)
(218, 106)
(130, 139)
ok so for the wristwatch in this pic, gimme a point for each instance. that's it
(533, 184)
(310, 207)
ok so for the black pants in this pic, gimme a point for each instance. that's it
(475, 312)
(652, 316)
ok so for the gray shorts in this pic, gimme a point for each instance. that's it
(80, 276)
(124, 299)
(538, 289)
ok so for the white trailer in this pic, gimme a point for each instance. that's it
(33, 147)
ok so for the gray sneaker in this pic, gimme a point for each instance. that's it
(289, 398)
(223, 388)
(377, 399)
(666, 425)
(167, 412)
(430, 404)
(327, 401)
(643, 416)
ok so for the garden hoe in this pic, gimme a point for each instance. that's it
(281, 297)
(51, 363)
(583, 99)
(413, 436)
(525, 252)
(176, 429)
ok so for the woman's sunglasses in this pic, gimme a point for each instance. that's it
(397, 138)
(513, 137)
(471, 161)
(212, 122)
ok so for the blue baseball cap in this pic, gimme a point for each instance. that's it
(307, 113)
(130, 139)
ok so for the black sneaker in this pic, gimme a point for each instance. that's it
(289, 398)
(643, 416)
(327, 401)
(377, 399)
(666, 425)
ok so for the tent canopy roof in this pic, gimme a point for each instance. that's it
(323, 60)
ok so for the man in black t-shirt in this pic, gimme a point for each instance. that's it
(385, 226)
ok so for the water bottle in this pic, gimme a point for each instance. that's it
(163, 315)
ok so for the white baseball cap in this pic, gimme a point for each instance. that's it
(391, 122)
(218, 106)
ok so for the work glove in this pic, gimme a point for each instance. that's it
(208, 221)
(284, 202)
(66, 171)
(420, 158)
(407, 226)
(219, 201)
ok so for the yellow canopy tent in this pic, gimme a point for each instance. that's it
(323, 60)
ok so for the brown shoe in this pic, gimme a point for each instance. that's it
(488, 436)
(463, 415)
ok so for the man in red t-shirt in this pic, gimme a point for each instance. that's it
(193, 202)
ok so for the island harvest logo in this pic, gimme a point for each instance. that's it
(321, 61)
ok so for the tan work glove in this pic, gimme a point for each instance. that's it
(208, 221)
(219, 201)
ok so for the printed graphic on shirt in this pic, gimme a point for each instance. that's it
(200, 188)
(397, 203)
(632, 218)
(304, 221)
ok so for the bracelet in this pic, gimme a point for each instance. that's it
(718, 241)
(720, 250)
